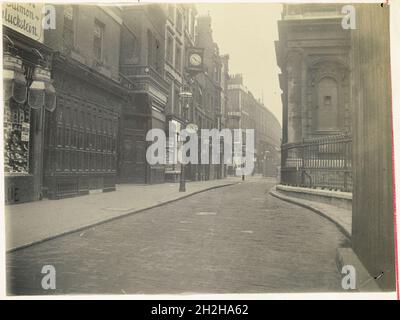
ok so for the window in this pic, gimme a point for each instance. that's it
(158, 58)
(186, 19)
(327, 101)
(129, 53)
(178, 58)
(177, 102)
(192, 21)
(327, 105)
(170, 49)
(179, 21)
(68, 28)
(216, 74)
(154, 53)
(98, 40)
(171, 12)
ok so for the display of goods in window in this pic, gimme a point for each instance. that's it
(16, 137)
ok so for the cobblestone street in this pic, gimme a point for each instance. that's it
(236, 239)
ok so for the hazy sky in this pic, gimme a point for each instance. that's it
(247, 33)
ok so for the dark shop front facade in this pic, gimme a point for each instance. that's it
(80, 153)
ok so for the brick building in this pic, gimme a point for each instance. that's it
(179, 35)
(81, 147)
(114, 73)
(142, 64)
(207, 112)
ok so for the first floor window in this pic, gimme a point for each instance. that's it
(68, 30)
(98, 40)
(178, 58)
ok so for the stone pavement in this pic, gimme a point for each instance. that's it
(341, 217)
(33, 222)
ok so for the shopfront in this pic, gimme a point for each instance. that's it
(29, 97)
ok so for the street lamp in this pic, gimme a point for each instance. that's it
(185, 96)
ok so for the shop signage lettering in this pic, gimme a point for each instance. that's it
(30, 19)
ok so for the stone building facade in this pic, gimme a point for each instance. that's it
(313, 55)
(337, 80)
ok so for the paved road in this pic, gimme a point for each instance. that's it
(235, 239)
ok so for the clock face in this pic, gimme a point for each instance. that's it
(195, 59)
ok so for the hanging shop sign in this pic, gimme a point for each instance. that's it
(25, 18)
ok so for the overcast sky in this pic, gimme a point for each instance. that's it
(247, 33)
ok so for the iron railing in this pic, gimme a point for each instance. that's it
(323, 162)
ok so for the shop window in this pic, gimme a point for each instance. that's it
(16, 137)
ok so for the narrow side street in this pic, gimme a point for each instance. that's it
(236, 239)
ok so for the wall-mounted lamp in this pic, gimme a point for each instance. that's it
(14, 81)
(41, 92)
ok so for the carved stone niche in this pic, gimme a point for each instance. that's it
(327, 85)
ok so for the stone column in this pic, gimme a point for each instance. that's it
(293, 71)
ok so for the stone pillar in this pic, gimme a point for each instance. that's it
(303, 105)
(293, 70)
(37, 151)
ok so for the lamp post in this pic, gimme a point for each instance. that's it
(41, 98)
(185, 96)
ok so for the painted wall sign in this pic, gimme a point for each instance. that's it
(25, 18)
